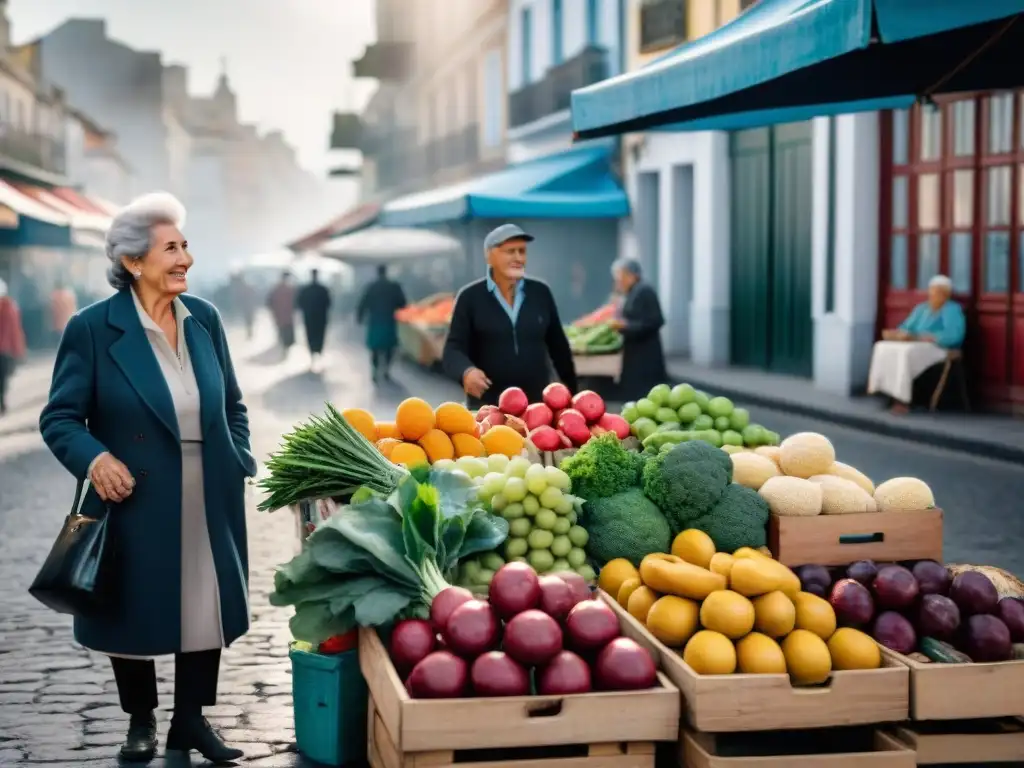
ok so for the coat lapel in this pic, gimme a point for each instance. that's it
(134, 355)
(206, 368)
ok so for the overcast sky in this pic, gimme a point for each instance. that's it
(290, 68)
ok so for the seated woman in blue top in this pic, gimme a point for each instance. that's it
(923, 340)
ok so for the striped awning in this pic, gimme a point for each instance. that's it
(81, 213)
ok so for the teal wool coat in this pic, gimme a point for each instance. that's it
(108, 394)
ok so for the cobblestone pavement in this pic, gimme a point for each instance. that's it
(58, 702)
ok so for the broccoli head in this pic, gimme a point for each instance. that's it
(737, 520)
(627, 525)
(687, 481)
(601, 468)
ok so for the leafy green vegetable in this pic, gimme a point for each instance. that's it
(382, 558)
(325, 458)
(602, 468)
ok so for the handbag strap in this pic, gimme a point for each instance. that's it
(80, 492)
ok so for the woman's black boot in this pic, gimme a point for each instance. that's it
(193, 731)
(140, 744)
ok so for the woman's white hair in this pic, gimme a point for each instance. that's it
(941, 281)
(129, 233)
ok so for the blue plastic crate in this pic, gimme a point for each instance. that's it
(329, 700)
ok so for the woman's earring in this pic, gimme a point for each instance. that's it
(138, 273)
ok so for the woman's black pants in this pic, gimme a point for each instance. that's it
(195, 682)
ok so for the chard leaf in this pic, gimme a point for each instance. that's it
(422, 517)
(337, 555)
(451, 543)
(314, 623)
(415, 547)
(456, 493)
(322, 591)
(344, 600)
(376, 528)
(484, 533)
(380, 606)
(299, 571)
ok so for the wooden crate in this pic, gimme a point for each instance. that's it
(843, 539)
(382, 752)
(826, 749)
(729, 703)
(446, 725)
(609, 366)
(963, 691)
(999, 740)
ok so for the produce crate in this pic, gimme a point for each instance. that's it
(609, 366)
(330, 706)
(828, 748)
(421, 343)
(963, 691)
(843, 539)
(729, 703)
(450, 729)
(999, 740)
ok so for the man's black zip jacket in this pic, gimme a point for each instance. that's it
(482, 336)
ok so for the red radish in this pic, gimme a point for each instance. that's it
(411, 641)
(566, 442)
(538, 415)
(515, 588)
(556, 597)
(623, 665)
(591, 625)
(556, 396)
(446, 601)
(484, 411)
(590, 404)
(578, 585)
(615, 423)
(546, 439)
(441, 675)
(498, 674)
(574, 426)
(566, 673)
(532, 638)
(472, 629)
(517, 424)
(513, 401)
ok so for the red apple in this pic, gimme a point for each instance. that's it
(513, 401)
(574, 426)
(538, 415)
(589, 404)
(545, 438)
(615, 423)
(557, 396)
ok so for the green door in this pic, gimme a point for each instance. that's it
(770, 264)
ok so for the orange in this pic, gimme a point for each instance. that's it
(409, 454)
(362, 421)
(414, 418)
(437, 446)
(455, 419)
(386, 445)
(467, 445)
(504, 440)
(388, 429)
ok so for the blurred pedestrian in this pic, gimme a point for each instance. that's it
(281, 302)
(314, 301)
(505, 327)
(12, 342)
(381, 299)
(145, 405)
(639, 321)
(63, 305)
(243, 300)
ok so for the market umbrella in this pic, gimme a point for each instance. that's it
(384, 245)
(284, 258)
(785, 60)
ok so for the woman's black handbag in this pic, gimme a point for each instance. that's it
(76, 577)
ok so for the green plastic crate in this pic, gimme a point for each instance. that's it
(329, 700)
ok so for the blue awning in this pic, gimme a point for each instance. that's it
(785, 60)
(576, 184)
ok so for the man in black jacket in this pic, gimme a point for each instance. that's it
(506, 327)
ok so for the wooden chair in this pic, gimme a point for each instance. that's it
(954, 361)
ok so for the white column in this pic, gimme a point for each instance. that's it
(843, 337)
(709, 310)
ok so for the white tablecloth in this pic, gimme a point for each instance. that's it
(895, 365)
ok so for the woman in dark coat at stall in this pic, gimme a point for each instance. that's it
(639, 321)
(145, 405)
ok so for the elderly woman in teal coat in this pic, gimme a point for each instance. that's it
(923, 340)
(145, 406)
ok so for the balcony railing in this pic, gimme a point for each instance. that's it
(552, 93)
(662, 24)
(32, 149)
(385, 61)
(347, 132)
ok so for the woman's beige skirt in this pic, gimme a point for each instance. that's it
(201, 628)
